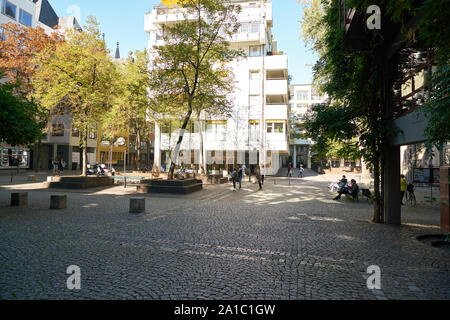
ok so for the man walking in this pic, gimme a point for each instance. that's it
(403, 187)
(263, 174)
(301, 171)
(258, 176)
(289, 174)
(240, 176)
(233, 178)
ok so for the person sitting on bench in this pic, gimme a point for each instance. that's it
(339, 185)
(352, 190)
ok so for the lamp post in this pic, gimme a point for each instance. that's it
(123, 142)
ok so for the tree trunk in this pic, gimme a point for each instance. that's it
(85, 143)
(176, 151)
(201, 159)
(37, 160)
(138, 150)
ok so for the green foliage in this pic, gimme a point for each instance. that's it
(190, 73)
(20, 118)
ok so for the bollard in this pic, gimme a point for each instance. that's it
(19, 199)
(58, 202)
(137, 205)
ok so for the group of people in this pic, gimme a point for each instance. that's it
(343, 187)
(300, 173)
(57, 165)
(237, 174)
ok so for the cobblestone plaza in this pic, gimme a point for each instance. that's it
(289, 242)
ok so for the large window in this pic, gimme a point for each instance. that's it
(12, 157)
(255, 27)
(9, 9)
(275, 127)
(58, 130)
(302, 95)
(255, 51)
(25, 18)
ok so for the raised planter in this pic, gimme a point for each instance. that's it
(77, 182)
(186, 186)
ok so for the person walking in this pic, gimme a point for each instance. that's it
(263, 174)
(240, 176)
(301, 171)
(403, 188)
(62, 165)
(233, 178)
(259, 177)
(289, 173)
(55, 166)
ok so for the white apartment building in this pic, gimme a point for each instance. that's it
(61, 140)
(302, 97)
(259, 121)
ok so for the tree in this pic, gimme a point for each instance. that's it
(78, 75)
(189, 73)
(20, 118)
(133, 99)
(357, 81)
(17, 51)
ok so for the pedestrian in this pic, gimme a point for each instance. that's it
(55, 166)
(62, 165)
(289, 173)
(233, 178)
(240, 176)
(259, 177)
(301, 171)
(263, 174)
(403, 188)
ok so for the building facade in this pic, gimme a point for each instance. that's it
(257, 131)
(302, 97)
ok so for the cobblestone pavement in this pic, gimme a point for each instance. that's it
(285, 242)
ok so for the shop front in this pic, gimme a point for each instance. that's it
(11, 157)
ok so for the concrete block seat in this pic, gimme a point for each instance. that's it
(19, 199)
(78, 182)
(186, 186)
(58, 202)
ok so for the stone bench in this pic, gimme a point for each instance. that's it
(58, 202)
(19, 199)
(137, 205)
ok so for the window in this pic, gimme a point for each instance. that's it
(92, 135)
(254, 130)
(275, 127)
(25, 18)
(279, 127)
(244, 27)
(255, 51)
(254, 101)
(58, 130)
(302, 95)
(75, 132)
(255, 27)
(9, 9)
(255, 82)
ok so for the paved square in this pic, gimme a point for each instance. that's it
(285, 242)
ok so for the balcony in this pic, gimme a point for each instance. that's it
(276, 112)
(276, 62)
(276, 87)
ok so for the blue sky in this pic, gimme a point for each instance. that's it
(123, 21)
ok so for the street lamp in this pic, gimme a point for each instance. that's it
(123, 142)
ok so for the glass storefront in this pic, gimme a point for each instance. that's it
(10, 156)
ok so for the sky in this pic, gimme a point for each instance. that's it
(123, 22)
